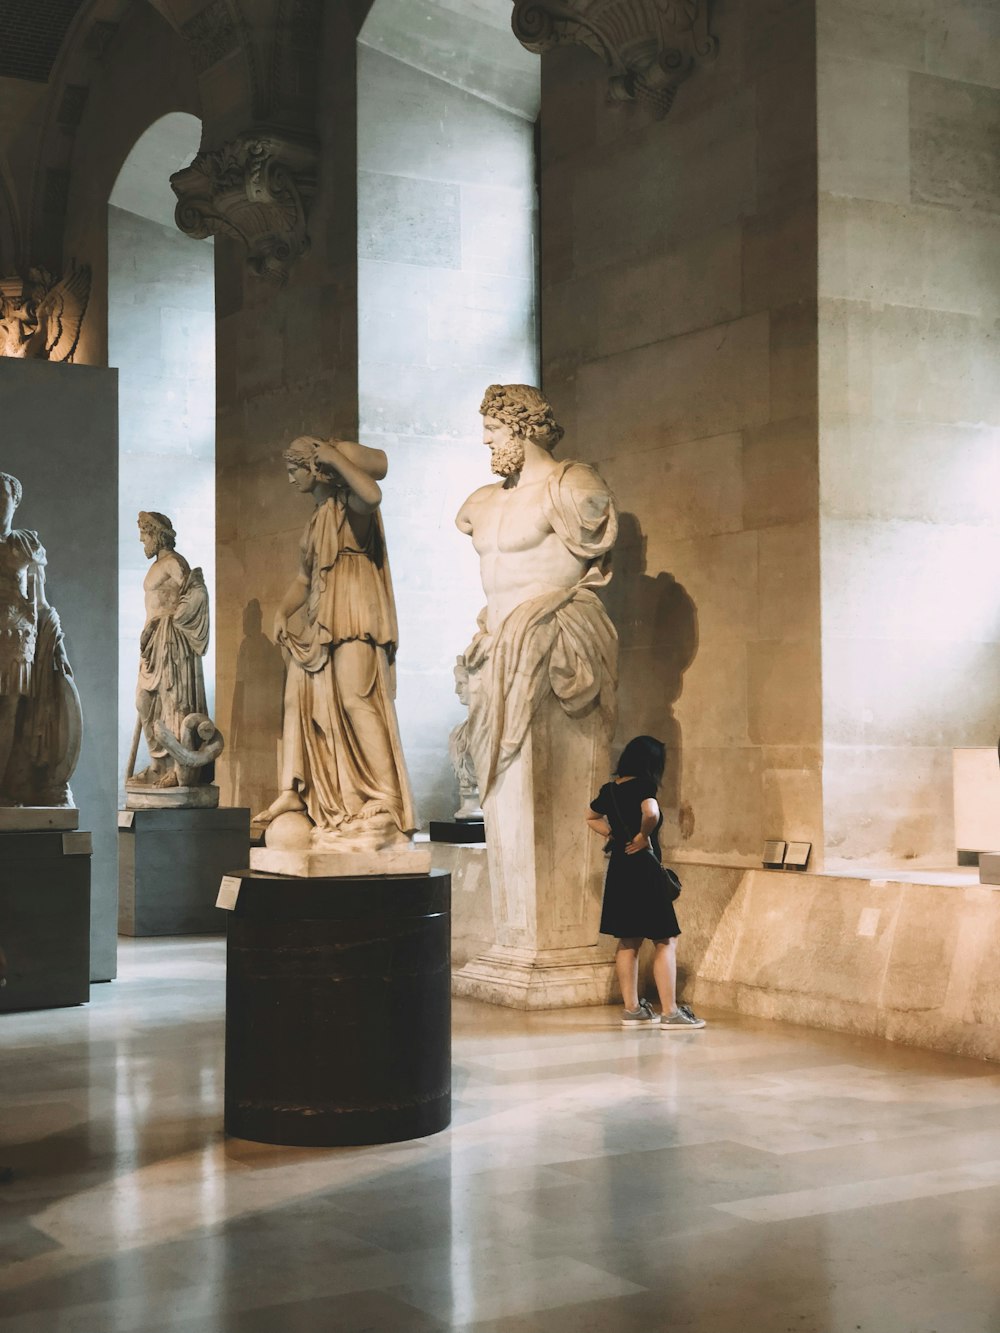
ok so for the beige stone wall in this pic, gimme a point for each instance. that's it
(914, 963)
(446, 305)
(678, 341)
(909, 283)
(286, 365)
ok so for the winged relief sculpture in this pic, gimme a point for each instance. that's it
(41, 316)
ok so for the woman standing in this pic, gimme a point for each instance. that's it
(637, 902)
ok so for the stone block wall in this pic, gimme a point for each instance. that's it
(909, 284)
(446, 305)
(678, 314)
(286, 365)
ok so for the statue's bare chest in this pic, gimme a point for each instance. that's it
(511, 520)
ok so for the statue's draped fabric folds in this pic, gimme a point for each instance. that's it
(350, 601)
(344, 784)
(40, 718)
(560, 642)
(171, 649)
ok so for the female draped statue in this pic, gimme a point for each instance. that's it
(342, 762)
(40, 719)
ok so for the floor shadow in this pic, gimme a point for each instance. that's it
(657, 624)
(256, 714)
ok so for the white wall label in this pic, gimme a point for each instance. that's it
(868, 921)
(126, 818)
(229, 891)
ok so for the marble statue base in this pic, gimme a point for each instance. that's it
(404, 859)
(37, 818)
(538, 978)
(458, 830)
(170, 863)
(45, 918)
(205, 797)
(338, 1009)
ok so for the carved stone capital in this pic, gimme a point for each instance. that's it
(256, 189)
(649, 46)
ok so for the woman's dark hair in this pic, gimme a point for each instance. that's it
(643, 757)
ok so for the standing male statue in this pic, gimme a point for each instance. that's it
(542, 678)
(40, 721)
(344, 784)
(170, 695)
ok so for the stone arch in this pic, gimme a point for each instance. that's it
(216, 35)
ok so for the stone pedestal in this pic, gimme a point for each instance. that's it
(170, 863)
(546, 873)
(406, 859)
(37, 818)
(338, 1009)
(45, 919)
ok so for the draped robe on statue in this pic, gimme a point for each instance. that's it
(561, 643)
(350, 599)
(34, 668)
(171, 677)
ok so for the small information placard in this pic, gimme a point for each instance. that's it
(126, 818)
(229, 891)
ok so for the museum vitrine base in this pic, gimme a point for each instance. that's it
(538, 978)
(338, 1009)
(170, 863)
(460, 831)
(45, 919)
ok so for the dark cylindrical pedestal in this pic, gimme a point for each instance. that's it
(338, 1009)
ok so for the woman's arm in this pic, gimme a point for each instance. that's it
(650, 819)
(598, 824)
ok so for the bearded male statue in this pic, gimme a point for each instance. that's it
(542, 674)
(170, 699)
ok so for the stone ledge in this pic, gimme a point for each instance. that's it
(912, 962)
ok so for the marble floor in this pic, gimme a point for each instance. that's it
(750, 1178)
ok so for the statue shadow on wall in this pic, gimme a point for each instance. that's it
(257, 703)
(657, 624)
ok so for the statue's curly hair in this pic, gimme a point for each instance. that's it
(525, 410)
(12, 486)
(152, 521)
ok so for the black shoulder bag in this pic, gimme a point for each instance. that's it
(670, 880)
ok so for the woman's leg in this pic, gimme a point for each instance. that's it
(627, 967)
(665, 973)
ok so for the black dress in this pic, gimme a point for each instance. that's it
(636, 903)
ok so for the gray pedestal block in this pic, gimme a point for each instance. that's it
(45, 919)
(170, 863)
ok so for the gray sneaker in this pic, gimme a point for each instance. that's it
(682, 1017)
(643, 1017)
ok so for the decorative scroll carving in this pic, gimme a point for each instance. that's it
(650, 46)
(41, 316)
(254, 189)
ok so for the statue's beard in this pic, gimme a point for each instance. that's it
(506, 459)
